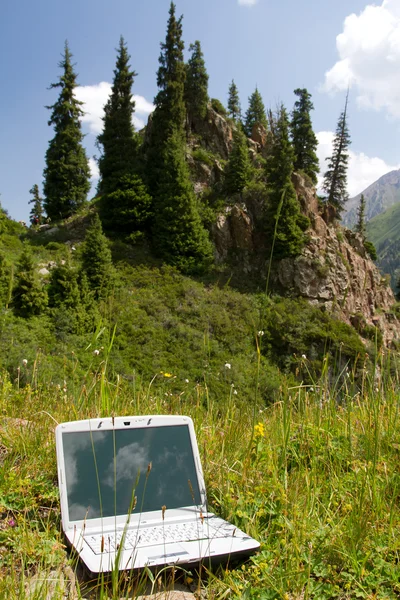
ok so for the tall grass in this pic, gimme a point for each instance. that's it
(314, 477)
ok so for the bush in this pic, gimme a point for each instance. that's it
(370, 248)
(203, 156)
(218, 107)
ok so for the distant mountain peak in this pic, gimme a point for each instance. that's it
(379, 196)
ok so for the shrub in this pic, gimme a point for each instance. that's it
(218, 107)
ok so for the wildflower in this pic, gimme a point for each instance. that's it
(168, 375)
(228, 366)
(235, 392)
(11, 523)
(259, 430)
(304, 357)
(186, 380)
(24, 362)
(96, 352)
(260, 333)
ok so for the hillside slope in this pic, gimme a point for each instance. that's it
(379, 196)
(384, 232)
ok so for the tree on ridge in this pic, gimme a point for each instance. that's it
(335, 178)
(304, 140)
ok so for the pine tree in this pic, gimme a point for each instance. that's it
(196, 84)
(127, 209)
(28, 296)
(285, 224)
(335, 178)
(96, 260)
(169, 115)
(118, 139)
(255, 113)
(360, 225)
(238, 170)
(178, 234)
(67, 173)
(36, 214)
(234, 108)
(304, 140)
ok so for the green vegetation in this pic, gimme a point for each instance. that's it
(314, 477)
(67, 173)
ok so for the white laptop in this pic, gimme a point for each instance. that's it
(132, 495)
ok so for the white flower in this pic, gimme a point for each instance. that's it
(186, 380)
(304, 357)
(235, 392)
(96, 352)
(228, 366)
(73, 248)
(260, 333)
(24, 362)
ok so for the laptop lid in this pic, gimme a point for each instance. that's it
(141, 469)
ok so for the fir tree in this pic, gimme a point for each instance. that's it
(96, 260)
(36, 214)
(63, 287)
(285, 224)
(304, 140)
(360, 225)
(238, 171)
(196, 84)
(67, 173)
(118, 139)
(255, 113)
(170, 110)
(169, 115)
(335, 178)
(28, 296)
(178, 234)
(127, 209)
(234, 108)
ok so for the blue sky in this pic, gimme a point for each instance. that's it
(278, 46)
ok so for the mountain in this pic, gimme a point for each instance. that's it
(379, 196)
(384, 232)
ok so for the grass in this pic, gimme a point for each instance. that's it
(313, 476)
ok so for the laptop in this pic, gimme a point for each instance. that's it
(132, 495)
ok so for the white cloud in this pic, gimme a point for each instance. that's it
(363, 170)
(247, 2)
(369, 58)
(94, 170)
(95, 97)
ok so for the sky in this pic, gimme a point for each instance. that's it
(277, 46)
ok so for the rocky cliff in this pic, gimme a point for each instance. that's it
(334, 270)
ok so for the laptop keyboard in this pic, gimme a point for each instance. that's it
(152, 536)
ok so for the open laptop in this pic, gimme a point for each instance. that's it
(132, 495)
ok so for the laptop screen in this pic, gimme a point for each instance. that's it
(114, 472)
